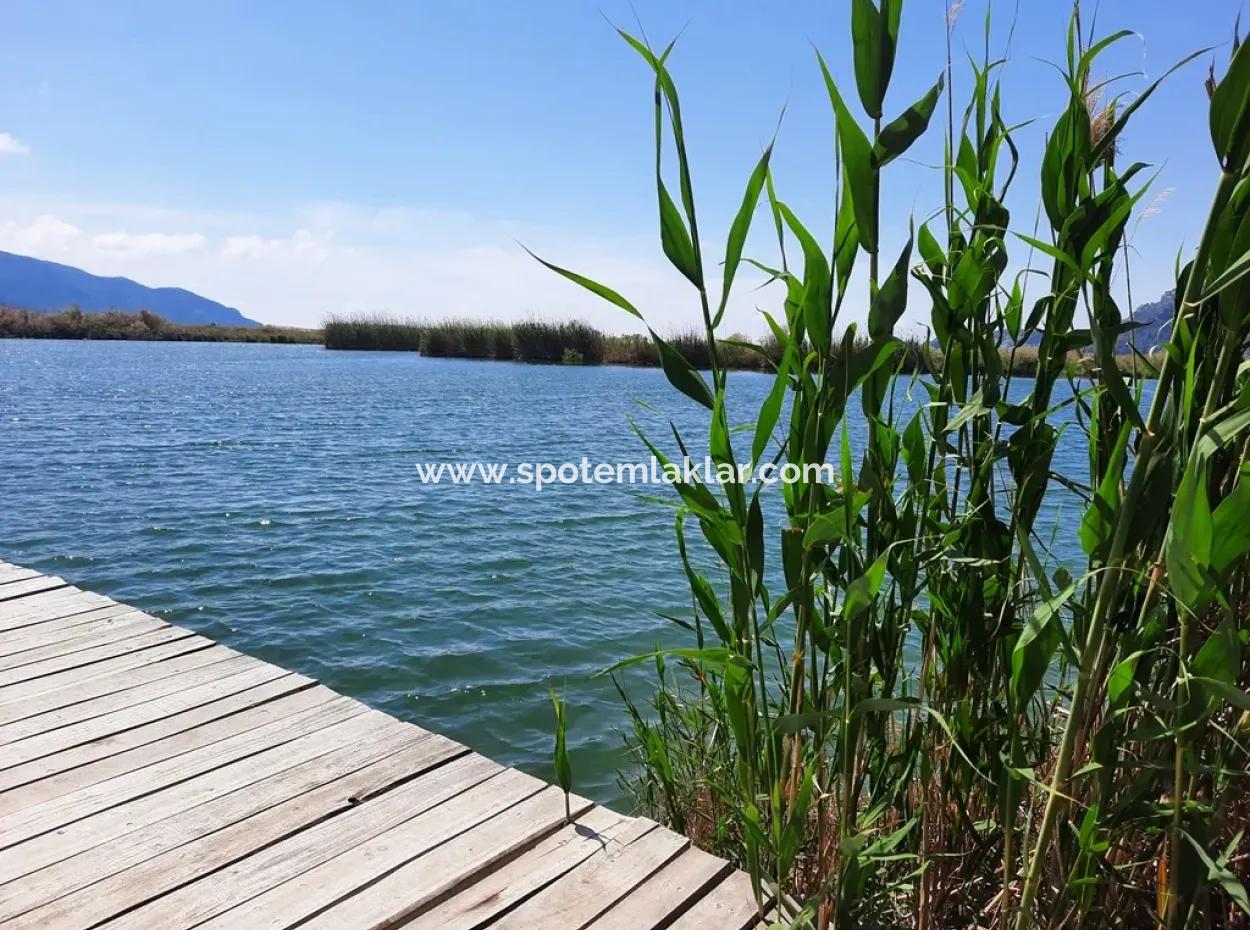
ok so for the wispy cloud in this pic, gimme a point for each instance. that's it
(302, 244)
(138, 245)
(298, 265)
(10, 146)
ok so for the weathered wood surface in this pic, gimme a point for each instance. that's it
(151, 779)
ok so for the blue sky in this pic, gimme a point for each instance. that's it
(299, 159)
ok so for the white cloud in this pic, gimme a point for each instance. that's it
(45, 235)
(10, 146)
(302, 244)
(136, 245)
(300, 265)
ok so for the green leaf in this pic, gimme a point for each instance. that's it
(1235, 272)
(718, 433)
(1190, 537)
(675, 238)
(1219, 659)
(861, 592)
(817, 290)
(846, 237)
(560, 757)
(738, 697)
(594, 287)
(1057, 254)
(827, 528)
(681, 374)
(739, 229)
(666, 87)
(1099, 520)
(857, 162)
(897, 137)
(1121, 677)
(1036, 646)
(1230, 526)
(973, 409)
(874, 33)
(713, 656)
(701, 588)
(770, 410)
(1219, 872)
(1232, 696)
(1230, 103)
(889, 303)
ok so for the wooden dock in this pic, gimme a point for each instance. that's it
(151, 778)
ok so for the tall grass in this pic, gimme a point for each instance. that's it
(538, 341)
(371, 332)
(1068, 750)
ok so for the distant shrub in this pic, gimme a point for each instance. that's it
(73, 323)
(372, 332)
(538, 341)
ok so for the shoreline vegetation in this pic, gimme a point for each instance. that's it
(144, 326)
(531, 341)
(577, 343)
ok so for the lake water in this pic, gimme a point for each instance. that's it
(267, 497)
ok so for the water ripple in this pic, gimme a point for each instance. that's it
(266, 496)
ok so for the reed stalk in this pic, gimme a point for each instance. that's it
(901, 708)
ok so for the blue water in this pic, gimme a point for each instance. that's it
(267, 496)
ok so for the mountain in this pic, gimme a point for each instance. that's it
(1154, 326)
(1154, 322)
(34, 284)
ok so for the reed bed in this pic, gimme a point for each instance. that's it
(1065, 747)
(568, 342)
(145, 326)
(372, 332)
(581, 344)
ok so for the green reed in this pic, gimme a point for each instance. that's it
(1067, 751)
(371, 332)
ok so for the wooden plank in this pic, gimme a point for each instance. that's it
(520, 817)
(109, 824)
(481, 860)
(10, 573)
(168, 854)
(19, 589)
(57, 774)
(671, 890)
(174, 695)
(56, 691)
(728, 906)
(150, 778)
(35, 609)
(81, 713)
(59, 813)
(472, 776)
(481, 902)
(52, 631)
(138, 846)
(125, 626)
(48, 632)
(576, 899)
(74, 660)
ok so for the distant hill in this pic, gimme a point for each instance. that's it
(1154, 326)
(1154, 323)
(34, 284)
